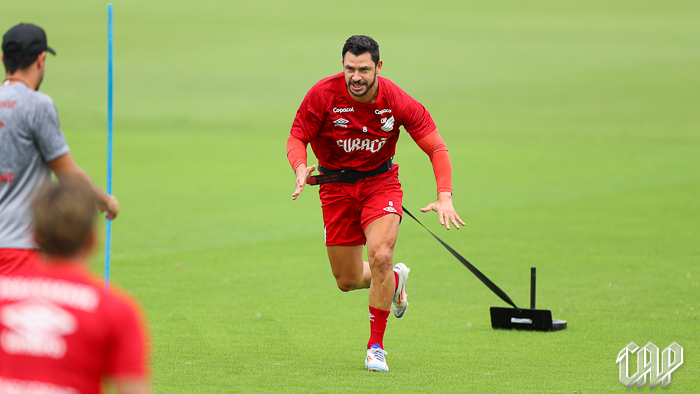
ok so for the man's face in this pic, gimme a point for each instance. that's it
(360, 74)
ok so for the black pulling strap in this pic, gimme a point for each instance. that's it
(469, 266)
(353, 176)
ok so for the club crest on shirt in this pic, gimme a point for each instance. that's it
(387, 124)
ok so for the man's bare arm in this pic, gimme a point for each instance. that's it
(65, 168)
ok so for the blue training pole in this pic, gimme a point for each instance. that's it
(110, 61)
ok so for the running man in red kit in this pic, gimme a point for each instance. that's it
(61, 332)
(352, 122)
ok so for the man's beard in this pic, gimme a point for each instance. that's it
(369, 87)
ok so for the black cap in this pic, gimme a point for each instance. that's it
(25, 39)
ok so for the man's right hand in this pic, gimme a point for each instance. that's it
(109, 204)
(303, 174)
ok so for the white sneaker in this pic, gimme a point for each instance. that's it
(400, 302)
(375, 360)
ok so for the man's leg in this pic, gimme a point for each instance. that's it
(350, 271)
(381, 238)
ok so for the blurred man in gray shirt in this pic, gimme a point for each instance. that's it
(32, 145)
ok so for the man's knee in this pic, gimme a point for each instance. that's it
(381, 258)
(345, 285)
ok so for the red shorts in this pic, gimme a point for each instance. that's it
(349, 209)
(13, 261)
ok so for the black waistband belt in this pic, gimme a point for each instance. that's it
(347, 176)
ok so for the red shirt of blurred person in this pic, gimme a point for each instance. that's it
(61, 331)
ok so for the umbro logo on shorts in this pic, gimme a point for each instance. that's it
(341, 122)
(390, 208)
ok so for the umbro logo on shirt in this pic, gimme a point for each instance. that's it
(341, 122)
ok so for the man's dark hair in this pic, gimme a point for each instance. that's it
(14, 62)
(358, 45)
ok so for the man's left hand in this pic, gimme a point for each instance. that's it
(446, 212)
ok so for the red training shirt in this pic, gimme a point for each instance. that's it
(346, 134)
(61, 332)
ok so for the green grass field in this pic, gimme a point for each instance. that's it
(574, 133)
